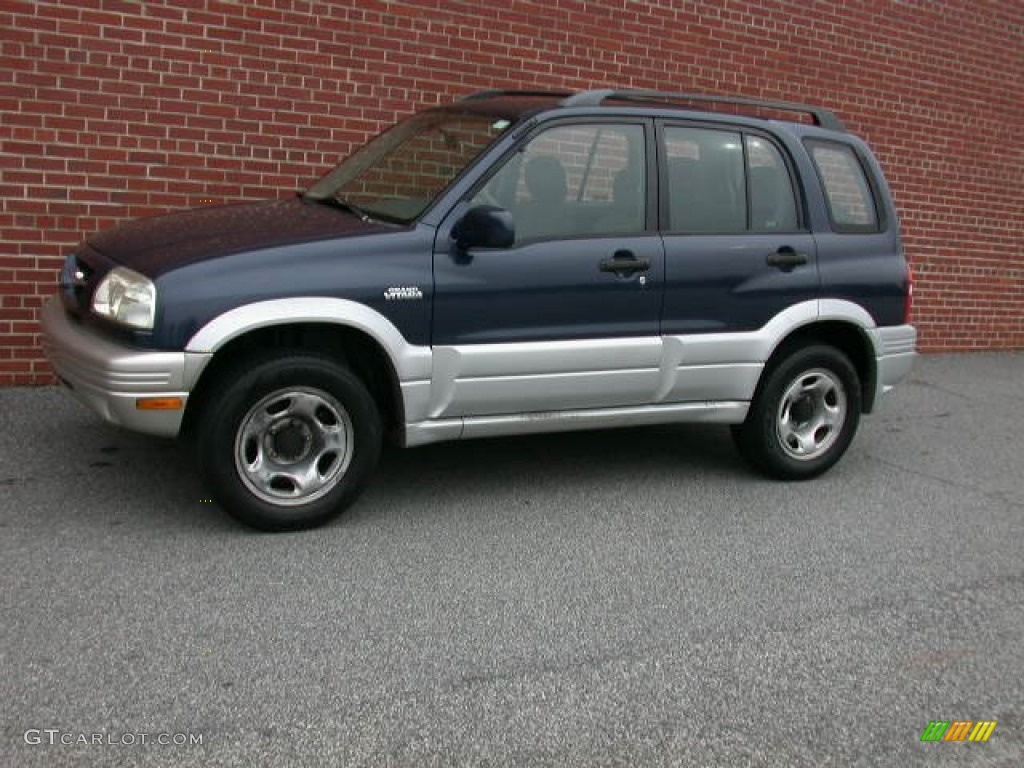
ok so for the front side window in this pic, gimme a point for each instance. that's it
(397, 175)
(851, 204)
(570, 181)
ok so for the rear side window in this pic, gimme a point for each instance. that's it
(726, 182)
(706, 182)
(772, 202)
(851, 204)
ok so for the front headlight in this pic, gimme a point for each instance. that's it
(126, 297)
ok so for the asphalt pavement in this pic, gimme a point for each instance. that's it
(628, 598)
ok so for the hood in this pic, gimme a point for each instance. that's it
(159, 244)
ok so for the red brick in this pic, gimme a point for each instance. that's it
(109, 111)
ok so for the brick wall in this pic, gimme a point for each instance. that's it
(114, 109)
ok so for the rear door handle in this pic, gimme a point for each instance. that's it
(624, 262)
(786, 259)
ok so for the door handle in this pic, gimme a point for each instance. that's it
(786, 259)
(624, 262)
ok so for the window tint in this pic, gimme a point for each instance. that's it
(400, 172)
(574, 181)
(850, 202)
(772, 202)
(706, 183)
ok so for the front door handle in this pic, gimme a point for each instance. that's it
(625, 263)
(786, 258)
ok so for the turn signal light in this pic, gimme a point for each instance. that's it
(158, 403)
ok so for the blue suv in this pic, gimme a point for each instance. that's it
(516, 262)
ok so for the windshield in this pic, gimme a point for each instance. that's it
(398, 174)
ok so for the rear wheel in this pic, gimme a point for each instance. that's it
(290, 443)
(804, 415)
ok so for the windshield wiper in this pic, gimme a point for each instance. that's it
(351, 207)
(341, 202)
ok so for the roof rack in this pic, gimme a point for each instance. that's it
(821, 117)
(593, 98)
(495, 92)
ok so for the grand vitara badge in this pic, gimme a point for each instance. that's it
(403, 293)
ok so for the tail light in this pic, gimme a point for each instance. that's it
(908, 306)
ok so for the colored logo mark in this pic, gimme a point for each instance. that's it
(958, 730)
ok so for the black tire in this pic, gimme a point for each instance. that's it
(290, 443)
(803, 416)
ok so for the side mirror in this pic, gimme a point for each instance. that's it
(485, 226)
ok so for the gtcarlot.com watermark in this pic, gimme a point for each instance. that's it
(56, 736)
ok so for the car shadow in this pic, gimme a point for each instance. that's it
(122, 477)
(545, 467)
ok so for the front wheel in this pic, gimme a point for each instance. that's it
(290, 443)
(804, 415)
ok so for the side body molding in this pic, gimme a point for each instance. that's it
(696, 377)
(412, 363)
(526, 387)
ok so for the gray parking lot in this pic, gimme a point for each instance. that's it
(629, 598)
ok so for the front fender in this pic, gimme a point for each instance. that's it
(412, 363)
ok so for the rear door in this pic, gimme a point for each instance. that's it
(738, 251)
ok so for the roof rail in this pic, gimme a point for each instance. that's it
(821, 117)
(496, 92)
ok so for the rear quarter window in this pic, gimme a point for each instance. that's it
(851, 201)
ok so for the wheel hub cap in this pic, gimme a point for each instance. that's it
(811, 414)
(294, 446)
(289, 441)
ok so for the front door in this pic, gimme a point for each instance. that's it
(567, 317)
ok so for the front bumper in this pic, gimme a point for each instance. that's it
(110, 377)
